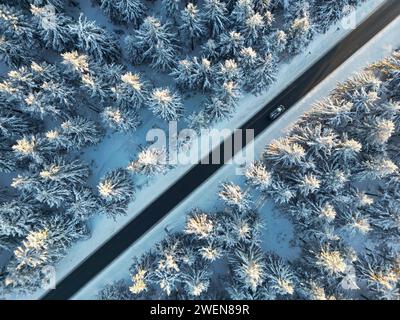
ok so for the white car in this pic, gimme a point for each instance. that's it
(277, 112)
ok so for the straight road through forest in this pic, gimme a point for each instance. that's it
(199, 173)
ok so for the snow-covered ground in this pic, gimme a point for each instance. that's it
(279, 231)
(116, 150)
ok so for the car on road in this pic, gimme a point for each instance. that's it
(277, 112)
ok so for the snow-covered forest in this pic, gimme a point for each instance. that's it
(335, 176)
(67, 84)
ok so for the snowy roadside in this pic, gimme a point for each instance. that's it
(103, 228)
(279, 229)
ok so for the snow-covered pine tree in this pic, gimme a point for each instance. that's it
(204, 74)
(17, 219)
(255, 27)
(172, 8)
(262, 6)
(7, 158)
(200, 225)
(347, 150)
(16, 27)
(116, 186)
(281, 192)
(165, 104)
(299, 34)
(375, 168)
(209, 50)
(65, 171)
(375, 131)
(218, 109)
(242, 10)
(83, 204)
(325, 13)
(14, 124)
(229, 71)
(23, 272)
(196, 281)
(132, 91)
(285, 152)
(80, 132)
(153, 41)
(198, 120)
(280, 277)
(150, 161)
(214, 14)
(248, 60)
(230, 44)
(94, 41)
(31, 148)
(121, 119)
(52, 194)
(63, 231)
(263, 76)
(53, 27)
(13, 53)
(379, 274)
(60, 5)
(192, 23)
(234, 197)
(124, 11)
(276, 42)
(248, 267)
(183, 74)
(228, 93)
(258, 176)
(319, 140)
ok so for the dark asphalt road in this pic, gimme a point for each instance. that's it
(144, 221)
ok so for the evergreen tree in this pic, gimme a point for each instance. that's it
(116, 186)
(248, 267)
(153, 41)
(284, 152)
(230, 44)
(280, 277)
(204, 74)
(192, 23)
(258, 176)
(17, 220)
(171, 8)
(263, 76)
(299, 34)
(94, 41)
(248, 60)
(150, 161)
(83, 204)
(7, 158)
(132, 92)
(165, 104)
(218, 110)
(215, 15)
(121, 119)
(13, 53)
(242, 10)
(53, 27)
(183, 74)
(124, 11)
(66, 172)
(14, 124)
(234, 197)
(80, 132)
(209, 50)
